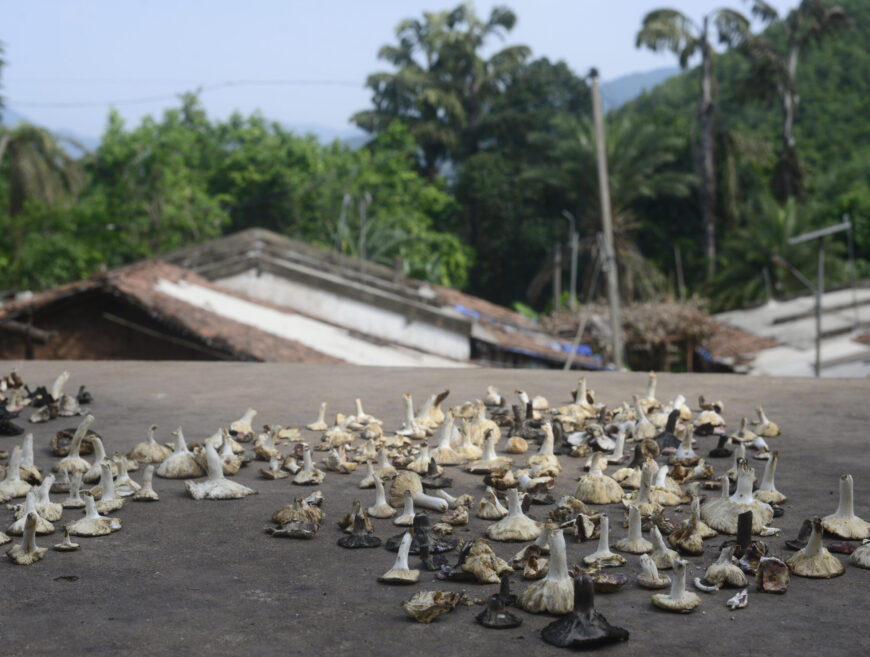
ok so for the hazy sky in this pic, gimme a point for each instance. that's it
(104, 52)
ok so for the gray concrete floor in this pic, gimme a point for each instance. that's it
(196, 578)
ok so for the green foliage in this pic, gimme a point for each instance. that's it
(833, 79)
(443, 85)
(183, 179)
(760, 243)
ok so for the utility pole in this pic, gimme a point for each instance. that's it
(364, 202)
(607, 229)
(572, 299)
(819, 236)
(557, 278)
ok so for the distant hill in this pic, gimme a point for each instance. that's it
(615, 93)
(350, 136)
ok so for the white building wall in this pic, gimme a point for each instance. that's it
(356, 315)
(313, 333)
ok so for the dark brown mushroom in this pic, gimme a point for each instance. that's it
(584, 628)
(495, 616)
(358, 538)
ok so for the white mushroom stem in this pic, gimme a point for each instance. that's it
(466, 436)
(726, 555)
(430, 502)
(57, 386)
(307, 464)
(558, 568)
(79, 435)
(321, 415)
(408, 509)
(619, 448)
(488, 449)
(547, 444)
(515, 509)
(91, 512)
(814, 544)
(635, 527)
(646, 476)
(696, 510)
(410, 423)
(42, 493)
(762, 418)
(678, 581)
(226, 445)
(148, 479)
(745, 479)
(649, 568)
(28, 538)
(725, 487)
(657, 540)
(247, 418)
(401, 562)
(604, 536)
(215, 467)
(638, 409)
(359, 409)
(106, 482)
(446, 431)
(99, 450)
(661, 476)
(75, 487)
(846, 509)
(27, 451)
(151, 431)
(380, 497)
(13, 468)
(581, 391)
(180, 444)
(767, 482)
(597, 465)
(651, 386)
(447, 497)
(30, 504)
(383, 462)
(685, 449)
(739, 453)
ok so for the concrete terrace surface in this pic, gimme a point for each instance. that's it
(192, 578)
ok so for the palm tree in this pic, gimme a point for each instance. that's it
(774, 73)
(39, 169)
(639, 156)
(669, 29)
(759, 245)
(442, 84)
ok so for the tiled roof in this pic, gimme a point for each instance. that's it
(136, 285)
(727, 341)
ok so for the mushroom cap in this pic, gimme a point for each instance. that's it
(851, 528)
(519, 528)
(404, 481)
(217, 489)
(426, 606)
(483, 563)
(179, 465)
(823, 565)
(548, 595)
(400, 576)
(861, 556)
(598, 489)
(584, 628)
(495, 616)
(640, 546)
(684, 604)
(725, 574)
